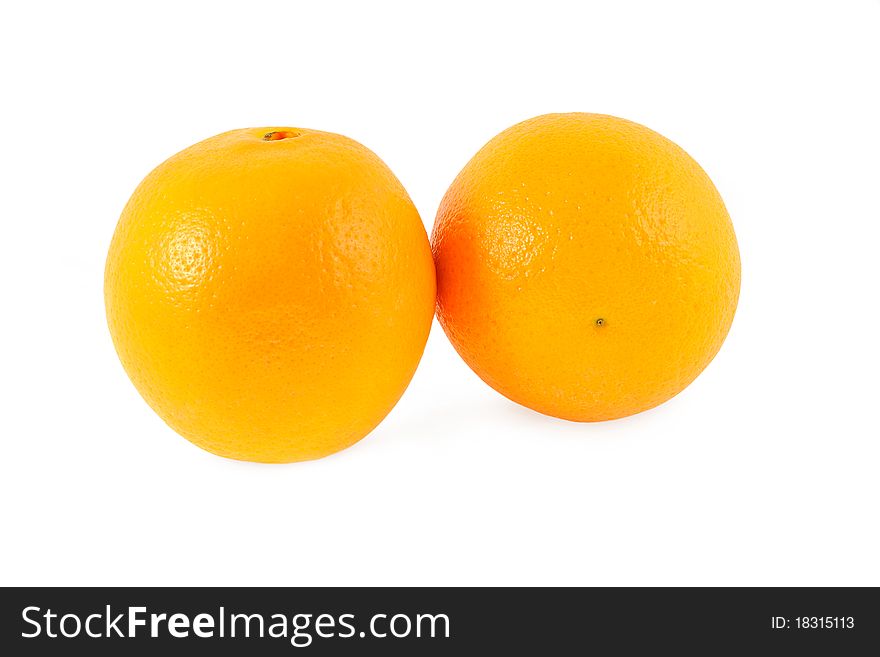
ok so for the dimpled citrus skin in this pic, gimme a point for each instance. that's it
(270, 292)
(586, 266)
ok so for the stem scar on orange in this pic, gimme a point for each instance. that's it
(270, 292)
(586, 266)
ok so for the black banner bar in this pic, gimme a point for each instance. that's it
(419, 621)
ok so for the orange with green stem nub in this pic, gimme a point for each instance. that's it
(270, 292)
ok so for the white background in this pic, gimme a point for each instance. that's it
(764, 471)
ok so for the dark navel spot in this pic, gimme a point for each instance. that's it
(600, 322)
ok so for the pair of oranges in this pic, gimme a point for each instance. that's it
(270, 291)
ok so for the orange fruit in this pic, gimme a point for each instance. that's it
(270, 291)
(586, 266)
